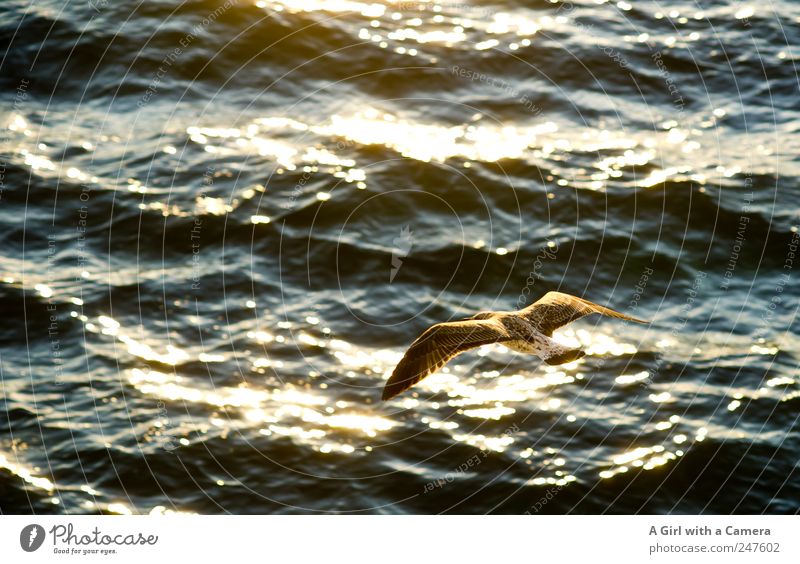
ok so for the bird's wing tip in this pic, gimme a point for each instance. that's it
(390, 391)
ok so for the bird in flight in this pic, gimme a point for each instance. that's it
(528, 330)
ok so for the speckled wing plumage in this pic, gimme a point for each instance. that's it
(555, 310)
(436, 346)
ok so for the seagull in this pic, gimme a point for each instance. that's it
(528, 330)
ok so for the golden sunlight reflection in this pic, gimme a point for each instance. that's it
(406, 25)
(315, 419)
(475, 394)
(366, 9)
(286, 141)
(495, 412)
(595, 343)
(286, 412)
(465, 396)
(553, 481)
(632, 378)
(173, 356)
(431, 142)
(170, 387)
(260, 138)
(119, 509)
(662, 397)
(26, 474)
(668, 150)
(496, 444)
(646, 458)
(424, 142)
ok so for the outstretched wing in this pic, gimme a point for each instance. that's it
(436, 346)
(555, 310)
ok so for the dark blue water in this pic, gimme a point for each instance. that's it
(223, 223)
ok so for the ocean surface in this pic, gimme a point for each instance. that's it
(222, 224)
